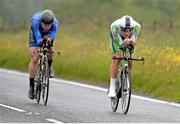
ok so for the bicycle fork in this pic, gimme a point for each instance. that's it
(126, 80)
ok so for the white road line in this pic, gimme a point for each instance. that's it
(92, 87)
(20, 110)
(13, 108)
(13, 72)
(54, 121)
(157, 101)
(105, 90)
(79, 84)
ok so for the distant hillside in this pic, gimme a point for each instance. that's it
(149, 12)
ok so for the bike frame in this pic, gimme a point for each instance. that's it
(43, 74)
(41, 70)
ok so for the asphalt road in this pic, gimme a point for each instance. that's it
(71, 102)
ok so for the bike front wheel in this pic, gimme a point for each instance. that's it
(126, 91)
(37, 85)
(38, 93)
(114, 103)
(45, 84)
(115, 100)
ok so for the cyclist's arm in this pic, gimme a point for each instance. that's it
(54, 30)
(115, 34)
(37, 34)
(137, 28)
(136, 32)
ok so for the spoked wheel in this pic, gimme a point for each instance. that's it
(38, 92)
(45, 85)
(114, 103)
(126, 91)
(37, 86)
(115, 100)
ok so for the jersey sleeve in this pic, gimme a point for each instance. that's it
(115, 35)
(54, 30)
(137, 28)
(37, 34)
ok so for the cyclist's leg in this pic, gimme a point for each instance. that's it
(114, 45)
(50, 54)
(50, 50)
(129, 54)
(114, 65)
(33, 62)
(129, 61)
(32, 69)
(50, 60)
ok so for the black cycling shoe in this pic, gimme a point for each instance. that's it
(30, 93)
(51, 72)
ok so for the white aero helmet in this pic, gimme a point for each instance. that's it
(126, 22)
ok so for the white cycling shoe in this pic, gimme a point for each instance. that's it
(112, 92)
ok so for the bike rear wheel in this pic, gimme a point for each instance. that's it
(126, 91)
(45, 84)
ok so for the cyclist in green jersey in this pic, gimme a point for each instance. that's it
(124, 32)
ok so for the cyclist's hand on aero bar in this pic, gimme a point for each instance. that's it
(133, 42)
(129, 41)
(46, 40)
(49, 40)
